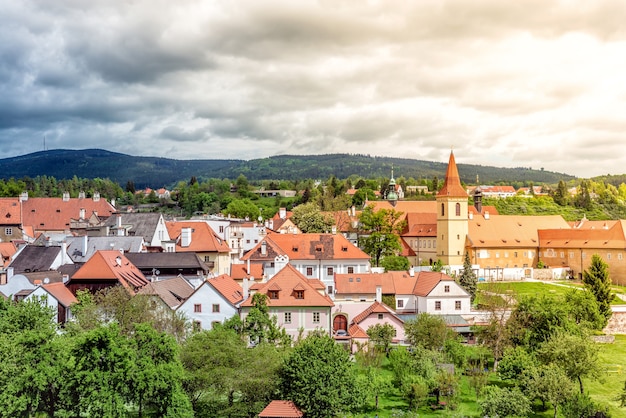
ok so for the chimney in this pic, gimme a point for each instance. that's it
(282, 213)
(81, 194)
(353, 211)
(96, 196)
(23, 196)
(271, 224)
(379, 294)
(81, 213)
(263, 248)
(118, 220)
(118, 260)
(248, 267)
(66, 196)
(412, 271)
(85, 243)
(64, 256)
(185, 237)
(246, 289)
(478, 200)
(486, 215)
(471, 215)
(113, 202)
(334, 230)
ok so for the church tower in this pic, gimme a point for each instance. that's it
(452, 217)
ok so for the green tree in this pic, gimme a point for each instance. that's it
(583, 309)
(381, 336)
(395, 263)
(380, 232)
(310, 219)
(318, 377)
(548, 384)
(561, 195)
(260, 327)
(504, 402)
(243, 187)
(598, 281)
(468, 279)
(428, 331)
(243, 208)
(582, 406)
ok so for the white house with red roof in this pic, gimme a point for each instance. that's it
(298, 303)
(214, 301)
(56, 296)
(315, 256)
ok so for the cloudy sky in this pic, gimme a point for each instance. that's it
(533, 83)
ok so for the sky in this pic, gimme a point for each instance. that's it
(533, 83)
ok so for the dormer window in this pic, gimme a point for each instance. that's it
(273, 294)
(299, 294)
(318, 248)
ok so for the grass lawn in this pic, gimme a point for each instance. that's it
(613, 358)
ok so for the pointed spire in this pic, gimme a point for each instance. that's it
(452, 184)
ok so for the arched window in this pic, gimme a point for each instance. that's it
(340, 322)
(458, 209)
(443, 210)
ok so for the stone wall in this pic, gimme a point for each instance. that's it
(617, 324)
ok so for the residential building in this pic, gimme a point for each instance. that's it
(33, 258)
(158, 266)
(11, 220)
(81, 248)
(56, 296)
(150, 226)
(171, 292)
(198, 237)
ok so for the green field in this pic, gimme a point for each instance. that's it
(526, 289)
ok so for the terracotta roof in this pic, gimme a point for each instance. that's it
(420, 225)
(203, 238)
(240, 271)
(55, 213)
(427, 280)
(172, 291)
(504, 231)
(613, 237)
(491, 210)
(60, 293)
(364, 283)
(7, 250)
(406, 206)
(452, 184)
(374, 308)
(285, 281)
(10, 211)
(356, 331)
(227, 287)
(112, 265)
(306, 247)
(281, 409)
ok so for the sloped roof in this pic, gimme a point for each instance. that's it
(35, 258)
(61, 293)
(141, 224)
(7, 251)
(374, 308)
(39, 277)
(427, 280)
(285, 281)
(306, 247)
(10, 211)
(613, 237)
(203, 238)
(491, 210)
(240, 271)
(281, 409)
(452, 184)
(406, 206)
(227, 287)
(420, 225)
(172, 291)
(75, 245)
(510, 230)
(356, 331)
(54, 213)
(111, 265)
(166, 260)
(364, 283)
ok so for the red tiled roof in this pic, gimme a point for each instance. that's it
(512, 231)
(356, 331)
(452, 185)
(281, 409)
(111, 264)
(54, 213)
(203, 238)
(285, 281)
(613, 237)
(364, 283)
(427, 280)
(7, 251)
(61, 293)
(376, 308)
(406, 206)
(229, 288)
(10, 211)
(240, 271)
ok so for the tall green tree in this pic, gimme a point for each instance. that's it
(467, 278)
(380, 231)
(550, 384)
(310, 219)
(381, 335)
(428, 331)
(319, 378)
(561, 195)
(260, 327)
(596, 278)
(243, 208)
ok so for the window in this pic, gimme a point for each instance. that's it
(443, 210)
(446, 289)
(457, 305)
(571, 254)
(497, 254)
(207, 258)
(458, 209)
(221, 229)
(287, 317)
(216, 307)
(330, 290)
(381, 317)
(619, 256)
(316, 317)
(8, 231)
(197, 308)
(350, 270)
(458, 236)
(329, 271)
(563, 254)
(400, 303)
(608, 256)
(309, 271)
(273, 294)
(437, 305)
(299, 294)
(247, 241)
(214, 324)
(515, 254)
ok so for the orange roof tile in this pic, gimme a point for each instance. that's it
(406, 206)
(228, 288)
(510, 230)
(61, 293)
(10, 211)
(364, 283)
(285, 281)
(452, 184)
(240, 271)
(54, 213)
(111, 264)
(376, 308)
(427, 280)
(613, 237)
(420, 225)
(203, 238)
(356, 331)
(281, 409)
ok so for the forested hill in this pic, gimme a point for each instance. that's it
(157, 172)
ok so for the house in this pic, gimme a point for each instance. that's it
(281, 409)
(246, 271)
(214, 301)
(169, 265)
(316, 256)
(11, 219)
(501, 192)
(242, 236)
(299, 304)
(53, 214)
(150, 226)
(33, 258)
(171, 292)
(420, 236)
(347, 223)
(56, 296)
(80, 249)
(198, 237)
(106, 269)
(281, 223)
(379, 313)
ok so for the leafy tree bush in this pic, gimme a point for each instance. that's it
(581, 406)
(395, 263)
(428, 331)
(504, 402)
